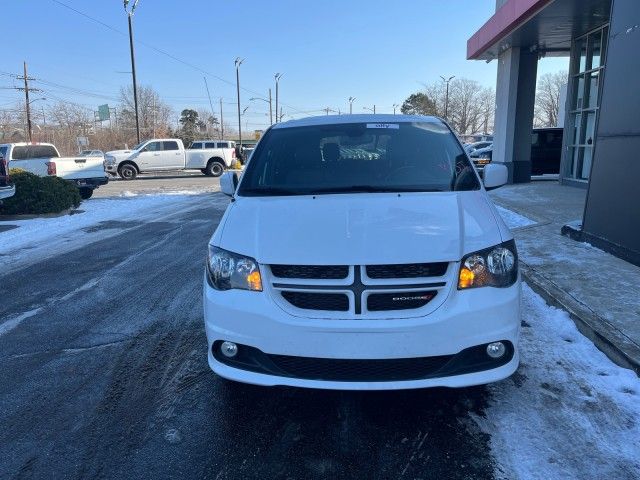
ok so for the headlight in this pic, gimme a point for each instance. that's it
(227, 270)
(109, 160)
(492, 267)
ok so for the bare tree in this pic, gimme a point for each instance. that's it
(470, 106)
(154, 114)
(548, 98)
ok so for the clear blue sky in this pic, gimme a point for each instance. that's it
(378, 51)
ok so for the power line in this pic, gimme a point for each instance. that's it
(167, 54)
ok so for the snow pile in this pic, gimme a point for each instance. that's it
(52, 234)
(513, 219)
(568, 412)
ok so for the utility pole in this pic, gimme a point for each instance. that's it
(446, 97)
(238, 62)
(27, 89)
(277, 76)
(133, 63)
(26, 95)
(351, 99)
(270, 110)
(221, 121)
(281, 114)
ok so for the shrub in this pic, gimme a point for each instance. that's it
(36, 195)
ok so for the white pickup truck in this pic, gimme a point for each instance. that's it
(43, 159)
(211, 157)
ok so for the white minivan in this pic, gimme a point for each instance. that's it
(362, 252)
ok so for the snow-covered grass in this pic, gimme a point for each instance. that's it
(569, 412)
(513, 219)
(47, 235)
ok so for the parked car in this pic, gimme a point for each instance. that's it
(362, 252)
(546, 152)
(168, 154)
(472, 147)
(482, 156)
(6, 188)
(92, 153)
(44, 159)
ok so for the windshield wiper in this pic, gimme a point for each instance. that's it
(372, 189)
(269, 191)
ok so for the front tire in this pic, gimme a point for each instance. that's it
(86, 193)
(128, 172)
(214, 169)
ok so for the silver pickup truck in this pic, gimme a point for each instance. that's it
(211, 157)
(43, 159)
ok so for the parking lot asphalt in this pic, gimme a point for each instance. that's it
(107, 378)
(157, 184)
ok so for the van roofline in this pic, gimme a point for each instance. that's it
(357, 118)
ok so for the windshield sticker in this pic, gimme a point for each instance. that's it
(394, 126)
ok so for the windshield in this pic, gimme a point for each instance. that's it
(358, 157)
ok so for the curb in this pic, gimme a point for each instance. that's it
(608, 339)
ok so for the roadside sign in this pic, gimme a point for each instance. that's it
(104, 113)
(82, 141)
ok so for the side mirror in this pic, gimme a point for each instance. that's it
(229, 183)
(495, 175)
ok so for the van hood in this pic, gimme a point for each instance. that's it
(359, 229)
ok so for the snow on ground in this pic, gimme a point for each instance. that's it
(569, 412)
(46, 235)
(513, 219)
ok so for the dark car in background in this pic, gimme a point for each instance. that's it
(546, 151)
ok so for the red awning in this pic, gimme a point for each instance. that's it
(510, 16)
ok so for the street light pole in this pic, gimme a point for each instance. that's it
(351, 99)
(395, 105)
(446, 96)
(265, 100)
(370, 109)
(277, 76)
(238, 62)
(133, 63)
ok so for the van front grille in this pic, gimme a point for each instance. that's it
(337, 302)
(407, 270)
(352, 289)
(318, 272)
(379, 302)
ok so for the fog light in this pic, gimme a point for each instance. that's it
(230, 349)
(496, 349)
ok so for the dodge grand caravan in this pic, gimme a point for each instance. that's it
(362, 252)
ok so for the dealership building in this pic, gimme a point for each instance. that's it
(601, 145)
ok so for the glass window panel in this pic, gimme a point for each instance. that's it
(579, 92)
(575, 139)
(590, 128)
(575, 161)
(582, 49)
(586, 163)
(595, 41)
(592, 96)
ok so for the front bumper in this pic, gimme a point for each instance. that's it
(466, 319)
(111, 168)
